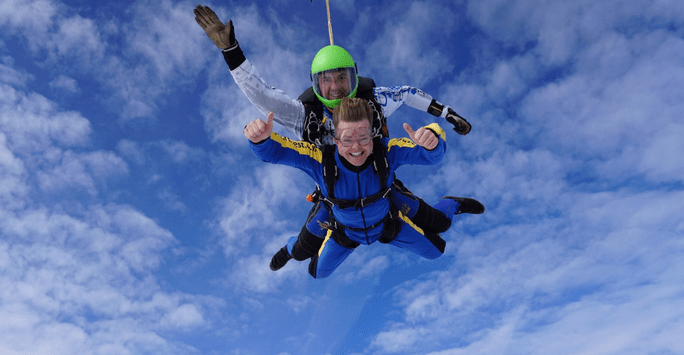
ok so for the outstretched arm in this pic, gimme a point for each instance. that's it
(391, 98)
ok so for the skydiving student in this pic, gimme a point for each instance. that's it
(354, 175)
(334, 76)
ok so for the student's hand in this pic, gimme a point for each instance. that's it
(423, 137)
(258, 130)
(222, 35)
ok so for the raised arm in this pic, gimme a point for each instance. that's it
(426, 146)
(287, 111)
(270, 147)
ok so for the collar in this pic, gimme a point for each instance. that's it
(353, 168)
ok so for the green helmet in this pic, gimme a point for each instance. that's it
(334, 75)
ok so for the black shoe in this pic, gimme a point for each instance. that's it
(280, 259)
(468, 205)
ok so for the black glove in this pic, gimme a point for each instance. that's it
(461, 126)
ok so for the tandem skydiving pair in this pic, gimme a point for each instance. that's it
(346, 149)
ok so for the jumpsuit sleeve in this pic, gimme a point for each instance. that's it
(287, 111)
(403, 151)
(299, 154)
(391, 98)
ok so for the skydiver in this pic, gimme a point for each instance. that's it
(334, 76)
(361, 212)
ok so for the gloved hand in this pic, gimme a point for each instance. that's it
(222, 35)
(461, 126)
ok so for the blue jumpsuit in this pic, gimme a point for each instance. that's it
(355, 183)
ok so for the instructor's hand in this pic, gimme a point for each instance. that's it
(423, 137)
(222, 35)
(258, 130)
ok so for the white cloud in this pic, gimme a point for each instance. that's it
(249, 212)
(182, 153)
(169, 39)
(68, 170)
(400, 51)
(12, 76)
(608, 258)
(32, 122)
(626, 116)
(77, 39)
(397, 340)
(12, 175)
(131, 150)
(35, 17)
(64, 82)
(186, 316)
(57, 269)
(171, 201)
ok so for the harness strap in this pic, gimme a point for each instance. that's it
(360, 203)
(330, 176)
(330, 173)
(380, 163)
(391, 229)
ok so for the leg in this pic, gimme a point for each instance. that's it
(328, 258)
(312, 234)
(416, 240)
(307, 243)
(422, 214)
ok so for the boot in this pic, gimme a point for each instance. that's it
(452, 206)
(280, 259)
(468, 205)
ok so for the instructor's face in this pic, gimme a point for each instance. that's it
(354, 141)
(335, 85)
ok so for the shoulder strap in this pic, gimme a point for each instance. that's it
(365, 89)
(380, 163)
(312, 131)
(330, 173)
(308, 96)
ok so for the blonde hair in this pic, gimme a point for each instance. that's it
(352, 109)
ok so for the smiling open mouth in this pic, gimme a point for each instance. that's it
(356, 154)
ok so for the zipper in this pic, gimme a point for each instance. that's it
(363, 217)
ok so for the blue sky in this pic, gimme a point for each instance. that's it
(135, 220)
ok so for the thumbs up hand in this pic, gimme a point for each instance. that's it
(258, 130)
(423, 137)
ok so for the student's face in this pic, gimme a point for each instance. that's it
(354, 134)
(335, 85)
